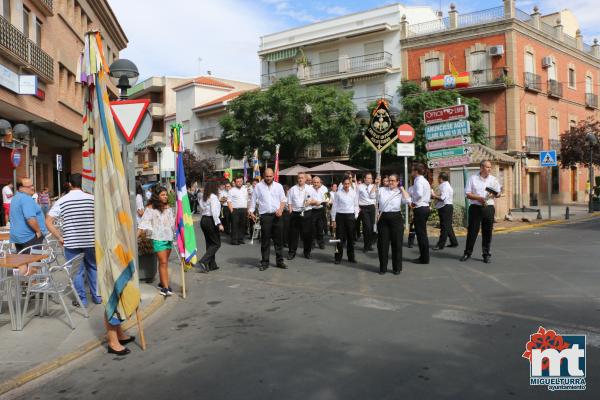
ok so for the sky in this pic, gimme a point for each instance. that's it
(191, 37)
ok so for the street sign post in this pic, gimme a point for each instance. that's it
(447, 130)
(15, 159)
(452, 113)
(406, 150)
(451, 152)
(548, 159)
(59, 167)
(449, 162)
(406, 133)
(442, 144)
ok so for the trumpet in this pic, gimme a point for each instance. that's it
(334, 239)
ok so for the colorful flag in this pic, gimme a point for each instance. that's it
(256, 168)
(276, 174)
(184, 225)
(113, 228)
(228, 174)
(452, 68)
(245, 169)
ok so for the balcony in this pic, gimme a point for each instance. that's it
(24, 52)
(156, 110)
(324, 151)
(555, 89)
(554, 145)
(345, 67)
(221, 163)
(207, 134)
(534, 144)
(532, 82)
(498, 142)
(45, 6)
(270, 78)
(591, 100)
(147, 168)
(486, 79)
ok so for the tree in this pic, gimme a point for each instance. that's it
(196, 169)
(288, 114)
(574, 149)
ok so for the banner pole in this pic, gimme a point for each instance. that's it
(140, 329)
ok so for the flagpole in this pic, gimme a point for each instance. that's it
(181, 256)
(140, 329)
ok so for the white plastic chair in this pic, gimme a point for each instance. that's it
(5, 281)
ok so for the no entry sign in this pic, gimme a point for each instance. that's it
(406, 133)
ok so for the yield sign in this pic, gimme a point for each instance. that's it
(128, 114)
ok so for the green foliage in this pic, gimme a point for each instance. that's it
(574, 149)
(288, 114)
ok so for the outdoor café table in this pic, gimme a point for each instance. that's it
(15, 261)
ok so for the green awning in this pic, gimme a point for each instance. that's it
(281, 55)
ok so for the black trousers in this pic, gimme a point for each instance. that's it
(480, 216)
(446, 229)
(319, 225)
(390, 231)
(367, 214)
(238, 225)
(226, 220)
(421, 217)
(270, 228)
(213, 240)
(285, 221)
(345, 229)
(301, 227)
(31, 242)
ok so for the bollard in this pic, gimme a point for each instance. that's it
(567, 214)
(539, 215)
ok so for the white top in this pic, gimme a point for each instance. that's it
(476, 185)
(160, 224)
(345, 203)
(238, 197)
(223, 194)
(320, 196)
(366, 195)
(267, 198)
(331, 197)
(76, 209)
(139, 205)
(390, 200)
(7, 194)
(421, 195)
(298, 196)
(446, 193)
(210, 208)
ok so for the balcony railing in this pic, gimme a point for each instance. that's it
(324, 151)
(591, 100)
(370, 62)
(481, 17)
(272, 77)
(554, 144)
(214, 132)
(534, 144)
(555, 88)
(322, 70)
(46, 6)
(351, 65)
(532, 81)
(498, 142)
(487, 78)
(424, 28)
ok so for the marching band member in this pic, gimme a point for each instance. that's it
(237, 203)
(270, 199)
(343, 214)
(367, 195)
(445, 210)
(421, 198)
(210, 223)
(301, 199)
(390, 225)
(225, 214)
(319, 211)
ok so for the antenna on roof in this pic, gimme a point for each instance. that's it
(199, 65)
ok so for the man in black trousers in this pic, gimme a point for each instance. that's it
(343, 214)
(237, 202)
(445, 209)
(367, 194)
(481, 190)
(420, 197)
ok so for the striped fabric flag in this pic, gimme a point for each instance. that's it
(115, 236)
(184, 225)
(256, 167)
(276, 173)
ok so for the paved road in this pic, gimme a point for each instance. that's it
(324, 331)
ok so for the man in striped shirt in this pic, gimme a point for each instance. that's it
(76, 209)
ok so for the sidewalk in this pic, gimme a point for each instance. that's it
(48, 342)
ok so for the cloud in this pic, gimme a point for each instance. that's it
(584, 10)
(282, 7)
(168, 38)
(337, 10)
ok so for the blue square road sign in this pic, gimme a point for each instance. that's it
(548, 158)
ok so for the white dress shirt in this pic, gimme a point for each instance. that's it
(476, 185)
(267, 198)
(345, 203)
(365, 196)
(238, 197)
(320, 196)
(210, 208)
(297, 197)
(223, 194)
(421, 195)
(390, 200)
(446, 194)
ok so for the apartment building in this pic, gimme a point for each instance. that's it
(159, 90)
(358, 52)
(40, 44)
(200, 103)
(534, 75)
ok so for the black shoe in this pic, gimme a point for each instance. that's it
(214, 268)
(125, 341)
(241, 242)
(465, 257)
(321, 246)
(123, 352)
(352, 260)
(397, 272)
(307, 256)
(281, 265)
(381, 272)
(436, 248)
(336, 261)
(419, 261)
(263, 267)
(234, 243)
(453, 245)
(291, 256)
(202, 268)
(486, 259)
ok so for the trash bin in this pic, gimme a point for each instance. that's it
(147, 265)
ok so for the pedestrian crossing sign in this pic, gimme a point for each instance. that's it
(548, 158)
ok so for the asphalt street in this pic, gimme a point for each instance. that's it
(323, 331)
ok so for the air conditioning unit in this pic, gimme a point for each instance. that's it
(347, 84)
(495, 51)
(546, 62)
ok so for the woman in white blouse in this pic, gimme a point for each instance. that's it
(210, 209)
(159, 221)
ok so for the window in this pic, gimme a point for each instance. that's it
(552, 71)
(6, 9)
(432, 67)
(555, 180)
(531, 124)
(572, 123)
(588, 85)
(529, 63)
(571, 77)
(486, 120)
(554, 128)
(38, 32)
(25, 22)
(478, 61)
(374, 48)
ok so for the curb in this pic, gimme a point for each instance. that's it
(49, 366)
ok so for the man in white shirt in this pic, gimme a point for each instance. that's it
(237, 203)
(269, 198)
(223, 196)
(445, 209)
(421, 196)
(343, 215)
(7, 195)
(367, 196)
(319, 211)
(301, 199)
(481, 190)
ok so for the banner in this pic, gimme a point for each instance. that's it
(276, 174)
(256, 168)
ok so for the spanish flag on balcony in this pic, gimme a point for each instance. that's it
(452, 81)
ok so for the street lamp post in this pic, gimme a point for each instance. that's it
(266, 156)
(158, 149)
(592, 140)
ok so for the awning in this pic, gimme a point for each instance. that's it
(281, 55)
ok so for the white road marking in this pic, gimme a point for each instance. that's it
(370, 302)
(471, 318)
(237, 285)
